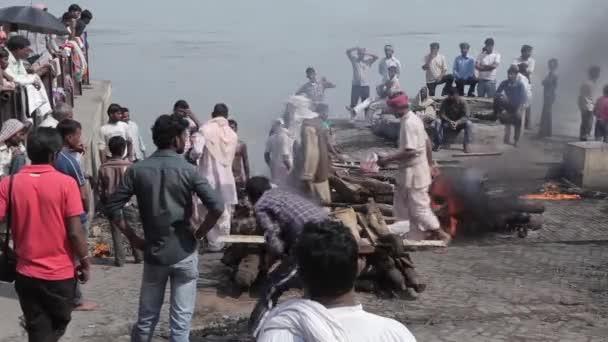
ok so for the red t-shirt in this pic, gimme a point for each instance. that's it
(42, 201)
(601, 108)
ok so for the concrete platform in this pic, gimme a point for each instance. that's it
(586, 164)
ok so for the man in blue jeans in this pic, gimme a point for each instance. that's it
(453, 117)
(164, 185)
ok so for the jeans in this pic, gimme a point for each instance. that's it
(182, 276)
(586, 124)
(357, 93)
(486, 88)
(601, 130)
(131, 217)
(442, 126)
(510, 115)
(46, 305)
(448, 80)
(471, 82)
(78, 296)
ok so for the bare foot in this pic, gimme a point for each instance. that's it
(86, 307)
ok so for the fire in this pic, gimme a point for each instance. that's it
(551, 196)
(102, 250)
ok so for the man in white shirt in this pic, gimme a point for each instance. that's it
(526, 65)
(436, 70)
(361, 63)
(330, 311)
(486, 64)
(139, 148)
(61, 112)
(37, 97)
(388, 61)
(411, 201)
(587, 97)
(279, 151)
(213, 149)
(389, 88)
(115, 127)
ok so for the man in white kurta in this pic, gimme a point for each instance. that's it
(411, 200)
(214, 147)
(19, 48)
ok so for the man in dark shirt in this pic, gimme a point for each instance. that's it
(164, 185)
(509, 104)
(280, 216)
(453, 117)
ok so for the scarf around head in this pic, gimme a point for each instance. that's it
(220, 140)
(307, 319)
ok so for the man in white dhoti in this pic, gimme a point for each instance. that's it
(411, 200)
(214, 147)
(279, 152)
(38, 101)
(385, 90)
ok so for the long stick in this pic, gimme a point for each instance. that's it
(479, 154)
(258, 239)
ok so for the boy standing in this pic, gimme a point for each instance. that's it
(549, 89)
(114, 127)
(601, 115)
(109, 177)
(586, 101)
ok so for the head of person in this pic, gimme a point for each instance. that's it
(256, 187)
(75, 11)
(327, 259)
(389, 51)
(114, 112)
(12, 132)
(181, 107)
(464, 49)
(169, 133)
(523, 68)
(234, 125)
(220, 110)
(126, 116)
(3, 59)
(63, 111)
(434, 48)
(71, 133)
(323, 110)
(526, 52)
(453, 94)
(361, 53)
(488, 45)
(512, 73)
(392, 71)
(19, 46)
(553, 64)
(86, 17)
(117, 146)
(399, 104)
(68, 19)
(311, 74)
(43, 144)
(594, 72)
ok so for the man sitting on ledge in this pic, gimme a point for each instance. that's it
(453, 117)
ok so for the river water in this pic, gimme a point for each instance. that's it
(252, 54)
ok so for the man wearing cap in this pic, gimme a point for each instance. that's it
(387, 62)
(411, 201)
(12, 150)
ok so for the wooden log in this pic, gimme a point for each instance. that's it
(349, 218)
(385, 209)
(373, 185)
(347, 192)
(478, 154)
(424, 243)
(254, 239)
(248, 270)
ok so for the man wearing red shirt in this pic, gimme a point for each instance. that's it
(44, 203)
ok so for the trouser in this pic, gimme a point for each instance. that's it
(513, 118)
(414, 205)
(47, 306)
(357, 93)
(471, 82)
(131, 217)
(486, 88)
(78, 296)
(448, 80)
(441, 127)
(528, 117)
(546, 119)
(601, 130)
(221, 228)
(369, 107)
(586, 124)
(182, 277)
(280, 280)
(318, 192)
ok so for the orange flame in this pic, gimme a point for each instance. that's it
(102, 250)
(549, 196)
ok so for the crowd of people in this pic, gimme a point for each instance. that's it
(187, 189)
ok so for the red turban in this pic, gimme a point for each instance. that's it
(399, 101)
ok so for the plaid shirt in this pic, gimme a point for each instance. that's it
(281, 215)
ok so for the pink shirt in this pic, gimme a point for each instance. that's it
(601, 108)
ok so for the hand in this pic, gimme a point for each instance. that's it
(435, 171)
(453, 124)
(199, 234)
(37, 85)
(84, 270)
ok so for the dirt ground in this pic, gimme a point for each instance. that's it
(550, 286)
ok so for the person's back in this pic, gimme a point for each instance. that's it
(110, 175)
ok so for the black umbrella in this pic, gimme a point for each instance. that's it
(32, 19)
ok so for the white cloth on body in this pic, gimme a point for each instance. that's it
(531, 63)
(279, 146)
(486, 59)
(385, 63)
(438, 68)
(37, 98)
(138, 143)
(49, 121)
(302, 320)
(110, 130)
